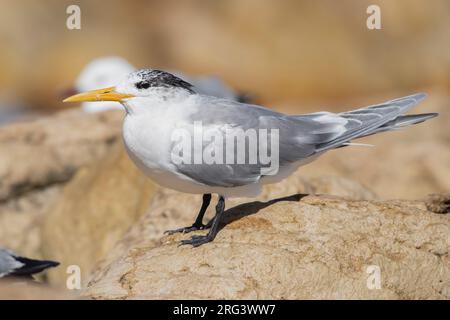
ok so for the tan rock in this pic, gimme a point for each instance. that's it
(36, 159)
(27, 290)
(310, 247)
(438, 203)
(21, 219)
(170, 209)
(94, 211)
(40, 153)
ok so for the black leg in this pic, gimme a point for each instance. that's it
(198, 224)
(196, 241)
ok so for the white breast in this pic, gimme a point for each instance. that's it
(148, 141)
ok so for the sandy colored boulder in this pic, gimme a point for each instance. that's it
(21, 220)
(27, 290)
(36, 159)
(36, 154)
(94, 211)
(170, 210)
(438, 203)
(298, 247)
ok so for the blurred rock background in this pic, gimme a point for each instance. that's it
(68, 192)
(301, 53)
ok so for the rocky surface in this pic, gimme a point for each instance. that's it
(21, 220)
(36, 159)
(48, 151)
(300, 247)
(438, 203)
(27, 290)
(170, 209)
(93, 212)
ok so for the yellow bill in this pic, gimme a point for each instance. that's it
(106, 94)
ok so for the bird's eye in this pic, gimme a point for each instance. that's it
(143, 85)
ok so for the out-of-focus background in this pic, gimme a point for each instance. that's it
(302, 53)
(68, 191)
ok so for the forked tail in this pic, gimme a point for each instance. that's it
(377, 118)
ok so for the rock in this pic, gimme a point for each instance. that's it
(337, 186)
(298, 247)
(36, 159)
(48, 151)
(13, 290)
(170, 209)
(438, 203)
(94, 211)
(21, 220)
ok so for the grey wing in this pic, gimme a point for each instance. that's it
(294, 138)
(299, 137)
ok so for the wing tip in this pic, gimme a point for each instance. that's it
(31, 266)
(420, 96)
(432, 115)
(410, 100)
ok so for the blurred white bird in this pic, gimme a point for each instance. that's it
(158, 104)
(107, 71)
(99, 73)
(13, 265)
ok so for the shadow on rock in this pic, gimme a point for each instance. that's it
(249, 208)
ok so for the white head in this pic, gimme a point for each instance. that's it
(100, 73)
(145, 85)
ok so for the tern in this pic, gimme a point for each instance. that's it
(157, 104)
(108, 70)
(13, 265)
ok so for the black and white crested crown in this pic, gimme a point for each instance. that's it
(147, 78)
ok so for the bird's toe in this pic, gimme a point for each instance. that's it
(194, 227)
(196, 241)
